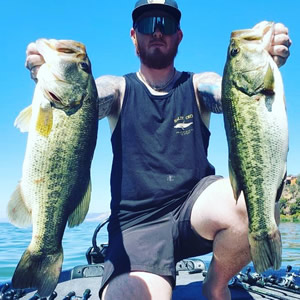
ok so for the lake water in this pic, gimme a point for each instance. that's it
(76, 241)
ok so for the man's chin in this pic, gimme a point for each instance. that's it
(157, 64)
(156, 59)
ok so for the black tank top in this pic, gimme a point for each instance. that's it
(159, 151)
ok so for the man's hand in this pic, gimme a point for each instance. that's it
(281, 42)
(33, 60)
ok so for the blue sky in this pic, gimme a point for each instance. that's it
(103, 26)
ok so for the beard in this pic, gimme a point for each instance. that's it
(157, 59)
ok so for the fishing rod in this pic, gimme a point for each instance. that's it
(247, 287)
(286, 283)
(255, 282)
(6, 294)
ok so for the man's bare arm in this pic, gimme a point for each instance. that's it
(110, 96)
(208, 91)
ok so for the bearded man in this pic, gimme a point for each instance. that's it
(162, 184)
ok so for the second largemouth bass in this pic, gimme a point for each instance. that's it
(257, 134)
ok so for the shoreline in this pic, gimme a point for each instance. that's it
(290, 218)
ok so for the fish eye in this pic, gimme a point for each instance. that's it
(85, 67)
(234, 51)
(66, 50)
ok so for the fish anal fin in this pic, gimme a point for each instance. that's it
(22, 121)
(44, 121)
(79, 213)
(38, 271)
(18, 212)
(234, 184)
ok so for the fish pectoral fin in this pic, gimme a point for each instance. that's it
(268, 88)
(79, 213)
(234, 184)
(18, 213)
(44, 121)
(22, 121)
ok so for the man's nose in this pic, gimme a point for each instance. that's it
(157, 32)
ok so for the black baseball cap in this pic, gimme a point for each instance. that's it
(169, 6)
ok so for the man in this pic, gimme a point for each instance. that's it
(167, 204)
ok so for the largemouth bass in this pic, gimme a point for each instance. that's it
(257, 134)
(55, 187)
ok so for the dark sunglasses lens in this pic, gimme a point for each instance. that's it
(148, 25)
(169, 25)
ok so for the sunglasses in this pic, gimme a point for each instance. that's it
(148, 25)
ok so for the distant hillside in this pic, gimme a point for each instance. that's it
(91, 217)
(96, 217)
(290, 200)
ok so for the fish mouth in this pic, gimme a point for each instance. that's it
(255, 34)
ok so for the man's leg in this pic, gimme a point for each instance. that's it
(217, 216)
(138, 286)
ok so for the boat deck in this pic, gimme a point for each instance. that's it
(188, 287)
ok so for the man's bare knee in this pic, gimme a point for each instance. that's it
(138, 285)
(126, 287)
(216, 210)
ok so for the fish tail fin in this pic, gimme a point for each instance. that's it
(38, 271)
(266, 250)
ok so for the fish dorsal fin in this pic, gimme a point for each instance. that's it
(45, 120)
(18, 212)
(22, 121)
(78, 215)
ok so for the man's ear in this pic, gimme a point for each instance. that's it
(134, 40)
(133, 36)
(180, 35)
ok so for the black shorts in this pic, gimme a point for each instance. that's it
(157, 246)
